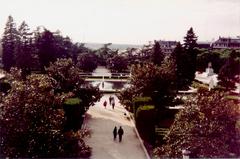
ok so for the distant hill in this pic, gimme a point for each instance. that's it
(95, 46)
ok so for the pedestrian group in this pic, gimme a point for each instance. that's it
(111, 102)
(118, 132)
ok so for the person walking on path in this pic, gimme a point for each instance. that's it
(105, 104)
(120, 133)
(113, 103)
(115, 133)
(110, 100)
(102, 84)
(113, 100)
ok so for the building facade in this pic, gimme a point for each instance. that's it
(227, 43)
(167, 46)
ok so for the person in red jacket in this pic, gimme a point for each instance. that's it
(105, 104)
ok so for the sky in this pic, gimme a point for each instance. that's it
(127, 21)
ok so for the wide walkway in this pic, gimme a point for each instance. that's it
(101, 122)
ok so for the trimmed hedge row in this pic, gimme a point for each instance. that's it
(73, 114)
(145, 122)
(140, 101)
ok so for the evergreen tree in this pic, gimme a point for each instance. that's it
(24, 49)
(157, 55)
(63, 46)
(46, 49)
(9, 41)
(179, 56)
(190, 43)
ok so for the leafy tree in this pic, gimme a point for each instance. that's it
(66, 74)
(130, 55)
(206, 56)
(89, 96)
(117, 63)
(63, 46)
(157, 55)
(38, 130)
(69, 79)
(87, 62)
(207, 127)
(228, 72)
(105, 53)
(9, 41)
(156, 82)
(190, 43)
(145, 53)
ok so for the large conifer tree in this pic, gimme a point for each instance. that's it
(46, 49)
(179, 57)
(9, 41)
(190, 44)
(24, 49)
(157, 55)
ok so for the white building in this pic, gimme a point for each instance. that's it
(167, 46)
(227, 43)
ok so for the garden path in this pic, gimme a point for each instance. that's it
(101, 122)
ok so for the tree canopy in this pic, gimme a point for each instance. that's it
(154, 81)
(31, 121)
(229, 71)
(117, 63)
(87, 62)
(207, 127)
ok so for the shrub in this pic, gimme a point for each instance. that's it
(145, 122)
(73, 114)
(138, 101)
(72, 101)
(75, 146)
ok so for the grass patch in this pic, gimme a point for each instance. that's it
(196, 84)
(233, 97)
(72, 101)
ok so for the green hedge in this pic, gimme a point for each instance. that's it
(145, 122)
(144, 108)
(73, 114)
(72, 101)
(139, 101)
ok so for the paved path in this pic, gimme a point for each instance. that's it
(101, 122)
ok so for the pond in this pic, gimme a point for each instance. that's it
(107, 85)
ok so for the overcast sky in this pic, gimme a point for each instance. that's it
(127, 21)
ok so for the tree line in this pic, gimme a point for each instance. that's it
(155, 81)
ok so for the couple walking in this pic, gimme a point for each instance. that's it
(118, 132)
(112, 101)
